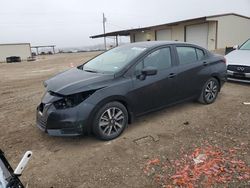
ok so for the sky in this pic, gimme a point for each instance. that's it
(69, 23)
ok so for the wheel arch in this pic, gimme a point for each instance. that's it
(116, 98)
(218, 79)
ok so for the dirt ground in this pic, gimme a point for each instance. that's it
(87, 162)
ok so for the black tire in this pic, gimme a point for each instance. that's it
(209, 91)
(110, 121)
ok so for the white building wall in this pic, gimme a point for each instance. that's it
(211, 39)
(232, 30)
(143, 36)
(140, 37)
(197, 34)
(178, 32)
(163, 34)
(21, 50)
(223, 31)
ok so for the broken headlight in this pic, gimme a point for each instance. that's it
(70, 101)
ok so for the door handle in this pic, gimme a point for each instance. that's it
(172, 75)
(205, 63)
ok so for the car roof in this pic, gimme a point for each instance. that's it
(149, 44)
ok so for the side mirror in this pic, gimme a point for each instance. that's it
(149, 71)
(235, 47)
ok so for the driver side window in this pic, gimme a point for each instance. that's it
(160, 59)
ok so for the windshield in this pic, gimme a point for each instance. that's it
(113, 60)
(246, 45)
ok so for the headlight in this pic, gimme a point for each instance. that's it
(72, 100)
(65, 103)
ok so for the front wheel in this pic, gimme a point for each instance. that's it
(209, 91)
(110, 121)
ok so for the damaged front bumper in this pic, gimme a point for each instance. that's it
(63, 122)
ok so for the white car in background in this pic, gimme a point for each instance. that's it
(238, 63)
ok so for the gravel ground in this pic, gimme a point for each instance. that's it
(87, 162)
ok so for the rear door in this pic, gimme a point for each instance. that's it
(154, 91)
(193, 70)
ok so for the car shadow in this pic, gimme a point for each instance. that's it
(164, 111)
(238, 83)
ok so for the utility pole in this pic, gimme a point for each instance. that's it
(104, 32)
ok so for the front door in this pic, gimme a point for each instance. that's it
(155, 91)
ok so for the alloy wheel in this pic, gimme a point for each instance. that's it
(112, 121)
(211, 90)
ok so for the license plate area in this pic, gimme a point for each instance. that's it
(239, 75)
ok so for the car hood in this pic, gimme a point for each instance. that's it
(76, 80)
(238, 57)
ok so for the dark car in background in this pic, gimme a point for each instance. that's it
(13, 59)
(106, 93)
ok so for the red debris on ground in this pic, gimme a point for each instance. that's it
(204, 167)
(150, 163)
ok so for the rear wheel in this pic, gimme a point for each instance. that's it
(210, 91)
(110, 121)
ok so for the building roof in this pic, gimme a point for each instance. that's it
(43, 46)
(128, 31)
(14, 44)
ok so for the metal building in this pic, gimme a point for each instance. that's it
(21, 50)
(212, 32)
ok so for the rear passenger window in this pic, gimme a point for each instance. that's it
(161, 59)
(200, 54)
(186, 55)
